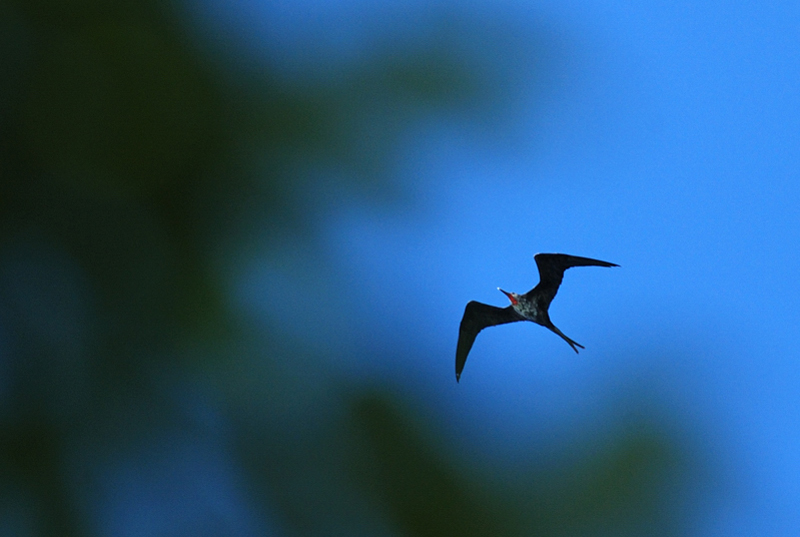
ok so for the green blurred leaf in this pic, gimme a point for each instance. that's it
(420, 489)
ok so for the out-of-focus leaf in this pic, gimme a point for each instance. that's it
(420, 489)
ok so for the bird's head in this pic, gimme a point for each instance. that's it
(513, 297)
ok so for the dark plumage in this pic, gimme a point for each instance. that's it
(532, 306)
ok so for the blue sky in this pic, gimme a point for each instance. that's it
(665, 137)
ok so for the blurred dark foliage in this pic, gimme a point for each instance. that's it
(618, 484)
(130, 163)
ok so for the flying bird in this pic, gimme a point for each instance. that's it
(532, 306)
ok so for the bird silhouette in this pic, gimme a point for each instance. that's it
(532, 306)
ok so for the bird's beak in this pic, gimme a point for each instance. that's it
(509, 295)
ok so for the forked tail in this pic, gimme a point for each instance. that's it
(573, 344)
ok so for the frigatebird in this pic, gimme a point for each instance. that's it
(532, 306)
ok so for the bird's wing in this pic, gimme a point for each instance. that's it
(478, 316)
(551, 272)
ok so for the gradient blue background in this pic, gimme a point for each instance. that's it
(663, 136)
(192, 313)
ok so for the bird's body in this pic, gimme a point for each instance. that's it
(532, 306)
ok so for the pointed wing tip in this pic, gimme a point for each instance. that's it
(599, 262)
